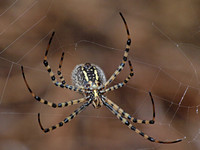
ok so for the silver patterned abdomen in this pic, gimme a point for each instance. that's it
(88, 75)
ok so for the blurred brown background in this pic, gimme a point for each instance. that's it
(165, 53)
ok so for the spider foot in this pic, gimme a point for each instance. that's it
(45, 130)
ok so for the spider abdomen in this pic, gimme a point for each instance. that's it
(88, 74)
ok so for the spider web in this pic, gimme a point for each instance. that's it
(165, 54)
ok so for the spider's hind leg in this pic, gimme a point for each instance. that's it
(128, 116)
(66, 120)
(130, 126)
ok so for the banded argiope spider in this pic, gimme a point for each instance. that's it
(89, 80)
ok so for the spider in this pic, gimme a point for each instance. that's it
(90, 80)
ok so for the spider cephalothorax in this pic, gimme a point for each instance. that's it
(90, 80)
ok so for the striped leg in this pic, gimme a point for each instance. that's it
(119, 85)
(53, 78)
(66, 120)
(121, 66)
(51, 104)
(130, 126)
(128, 116)
(59, 69)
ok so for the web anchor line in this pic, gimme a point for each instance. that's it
(179, 104)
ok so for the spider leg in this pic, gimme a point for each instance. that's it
(119, 85)
(51, 104)
(130, 126)
(121, 66)
(59, 69)
(52, 75)
(67, 119)
(128, 116)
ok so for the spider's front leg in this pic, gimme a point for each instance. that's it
(52, 75)
(124, 60)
